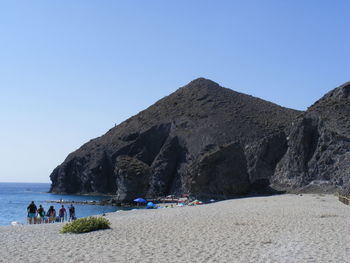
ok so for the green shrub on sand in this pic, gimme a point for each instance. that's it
(87, 224)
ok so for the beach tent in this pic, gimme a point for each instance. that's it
(151, 205)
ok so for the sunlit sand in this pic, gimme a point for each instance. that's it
(286, 228)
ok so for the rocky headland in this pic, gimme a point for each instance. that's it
(209, 141)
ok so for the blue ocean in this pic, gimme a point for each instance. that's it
(15, 198)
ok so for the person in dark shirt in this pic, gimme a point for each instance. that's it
(62, 214)
(31, 209)
(71, 212)
(41, 215)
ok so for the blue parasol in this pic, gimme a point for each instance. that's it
(140, 200)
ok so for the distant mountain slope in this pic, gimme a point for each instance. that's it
(202, 139)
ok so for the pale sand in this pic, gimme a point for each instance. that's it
(287, 228)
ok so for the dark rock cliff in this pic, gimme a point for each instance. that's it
(211, 141)
(318, 154)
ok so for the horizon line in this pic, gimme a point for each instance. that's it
(27, 182)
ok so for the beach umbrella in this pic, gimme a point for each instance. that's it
(140, 200)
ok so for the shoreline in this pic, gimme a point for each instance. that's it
(283, 228)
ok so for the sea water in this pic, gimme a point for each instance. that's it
(15, 198)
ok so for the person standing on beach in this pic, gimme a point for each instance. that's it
(41, 214)
(62, 213)
(71, 212)
(51, 213)
(31, 209)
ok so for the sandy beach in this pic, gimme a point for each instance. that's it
(286, 228)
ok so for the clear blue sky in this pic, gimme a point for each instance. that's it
(70, 70)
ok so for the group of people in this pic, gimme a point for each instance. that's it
(39, 215)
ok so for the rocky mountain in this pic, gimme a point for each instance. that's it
(318, 155)
(209, 141)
